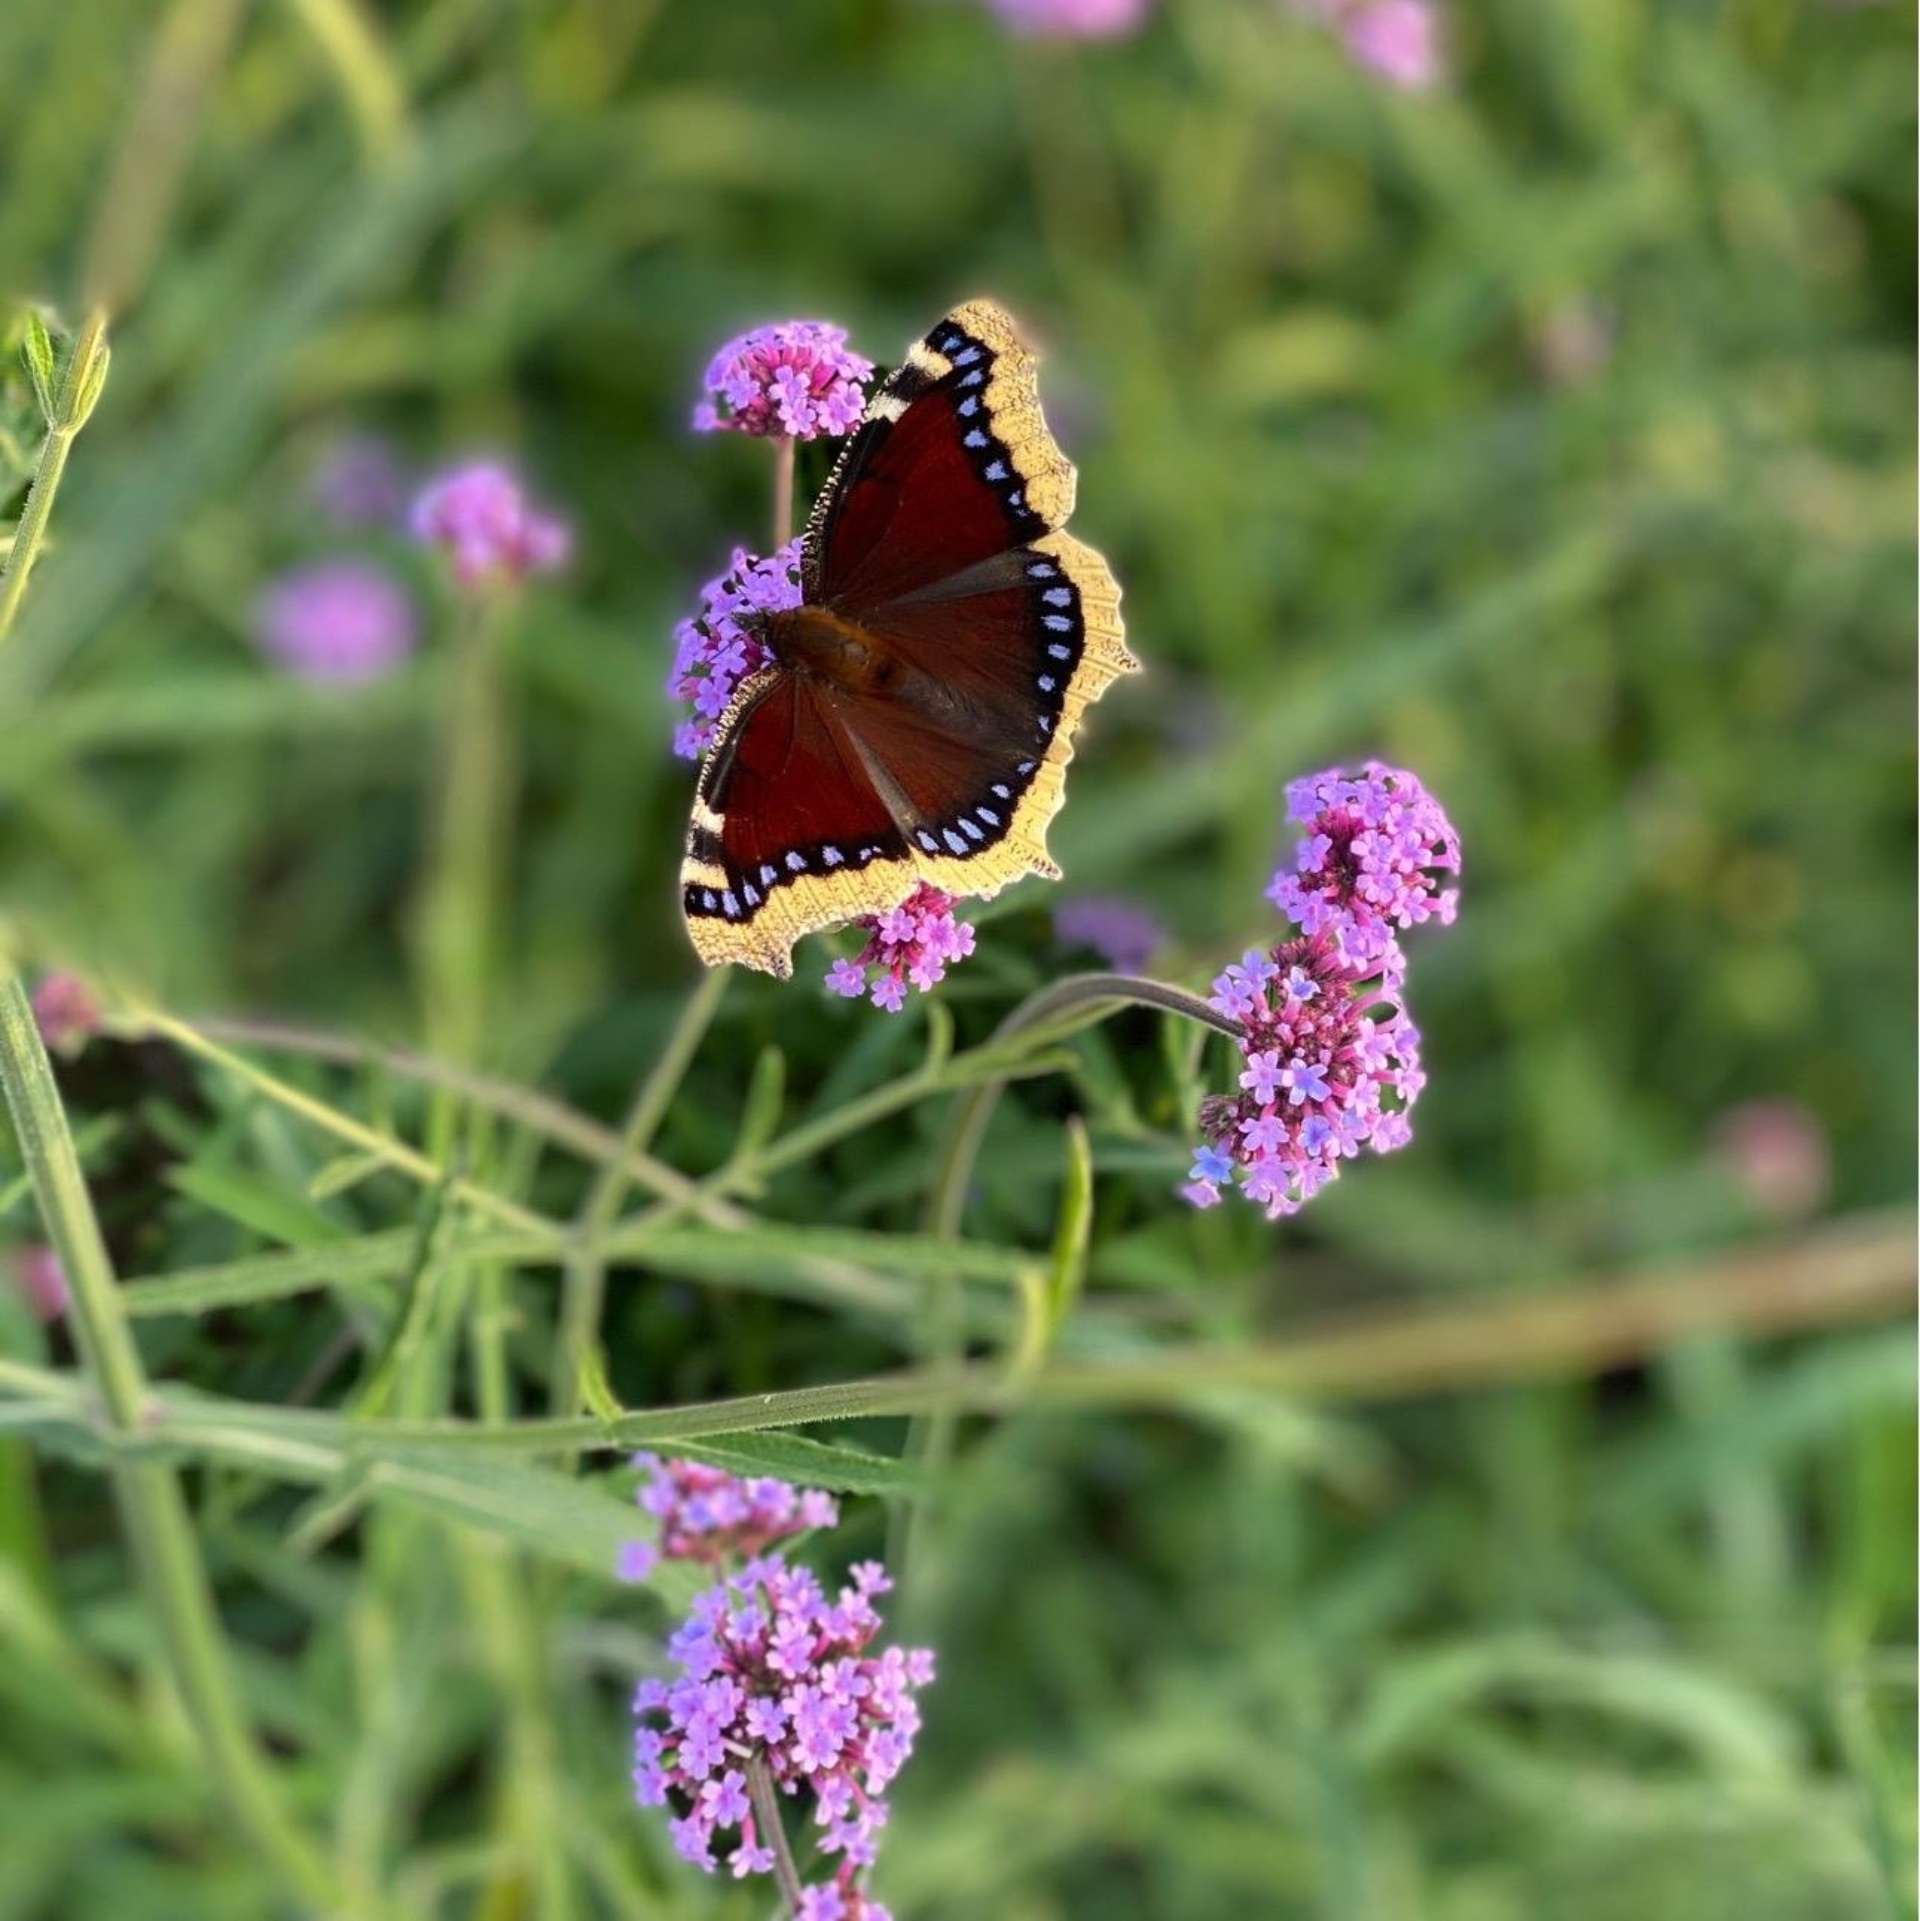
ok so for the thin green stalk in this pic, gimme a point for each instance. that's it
(583, 1289)
(782, 492)
(1072, 1001)
(771, 1831)
(152, 1504)
(79, 389)
(370, 1141)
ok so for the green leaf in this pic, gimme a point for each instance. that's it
(255, 1203)
(36, 349)
(792, 1457)
(1074, 1234)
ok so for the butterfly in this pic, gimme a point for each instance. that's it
(916, 717)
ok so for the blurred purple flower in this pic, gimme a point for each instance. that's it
(1331, 1064)
(479, 516)
(1777, 1151)
(1123, 933)
(338, 621)
(715, 650)
(1398, 40)
(798, 379)
(360, 483)
(711, 1516)
(1376, 847)
(910, 945)
(41, 1281)
(65, 1013)
(1073, 19)
(773, 1673)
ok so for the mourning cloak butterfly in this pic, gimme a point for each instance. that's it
(917, 715)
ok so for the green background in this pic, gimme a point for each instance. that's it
(1548, 433)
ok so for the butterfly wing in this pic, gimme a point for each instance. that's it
(939, 534)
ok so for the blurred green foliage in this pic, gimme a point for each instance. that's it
(1550, 434)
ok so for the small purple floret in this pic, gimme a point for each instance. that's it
(1375, 860)
(715, 650)
(774, 1674)
(911, 945)
(65, 1013)
(710, 1516)
(338, 621)
(797, 379)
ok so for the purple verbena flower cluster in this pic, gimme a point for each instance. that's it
(711, 1516)
(717, 648)
(914, 943)
(480, 517)
(772, 1671)
(65, 1013)
(1330, 1061)
(1400, 41)
(1123, 933)
(336, 621)
(1373, 860)
(797, 379)
(1073, 19)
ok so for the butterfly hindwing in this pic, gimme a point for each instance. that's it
(938, 537)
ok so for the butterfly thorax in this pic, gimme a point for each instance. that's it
(818, 642)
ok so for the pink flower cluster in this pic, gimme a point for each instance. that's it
(914, 943)
(337, 622)
(1331, 1063)
(1373, 862)
(1398, 40)
(774, 1674)
(40, 1280)
(65, 1013)
(711, 1516)
(717, 648)
(797, 379)
(479, 516)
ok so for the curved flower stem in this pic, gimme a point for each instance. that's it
(772, 1832)
(584, 1288)
(1048, 1015)
(79, 389)
(159, 1526)
(783, 450)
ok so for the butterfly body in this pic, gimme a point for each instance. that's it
(915, 714)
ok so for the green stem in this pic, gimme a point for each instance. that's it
(1071, 1001)
(152, 1504)
(79, 387)
(583, 1289)
(782, 492)
(771, 1831)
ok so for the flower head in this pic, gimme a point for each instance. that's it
(1376, 850)
(1777, 1151)
(711, 1516)
(772, 1674)
(798, 379)
(479, 516)
(910, 945)
(1397, 40)
(65, 1013)
(336, 621)
(1330, 1064)
(360, 483)
(1073, 19)
(1125, 935)
(715, 650)
(41, 1280)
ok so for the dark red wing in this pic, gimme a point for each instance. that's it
(933, 481)
(783, 794)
